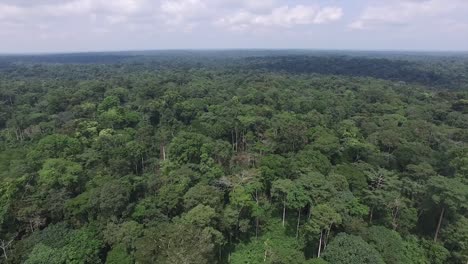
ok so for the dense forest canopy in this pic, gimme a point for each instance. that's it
(234, 157)
(442, 70)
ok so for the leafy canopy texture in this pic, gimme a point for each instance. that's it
(351, 249)
(217, 157)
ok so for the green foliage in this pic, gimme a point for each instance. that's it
(388, 243)
(456, 239)
(118, 255)
(55, 146)
(317, 261)
(273, 247)
(201, 216)
(112, 198)
(323, 217)
(187, 148)
(76, 246)
(8, 191)
(124, 234)
(351, 249)
(109, 103)
(449, 193)
(60, 173)
(209, 157)
(203, 194)
(435, 252)
(42, 254)
(273, 167)
(309, 160)
(414, 252)
(179, 240)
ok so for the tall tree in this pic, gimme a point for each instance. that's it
(448, 195)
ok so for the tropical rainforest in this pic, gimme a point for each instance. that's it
(242, 157)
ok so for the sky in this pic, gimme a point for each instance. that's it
(28, 26)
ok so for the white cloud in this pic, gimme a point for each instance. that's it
(328, 14)
(283, 16)
(454, 26)
(67, 8)
(259, 5)
(358, 24)
(404, 12)
(242, 14)
(171, 15)
(116, 19)
(77, 7)
(251, 5)
(70, 8)
(181, 12)
(10, 11)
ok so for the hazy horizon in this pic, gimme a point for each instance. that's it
(312, 50)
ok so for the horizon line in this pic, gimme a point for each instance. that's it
(71, 52)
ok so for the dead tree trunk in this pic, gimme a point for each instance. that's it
(320, 244)
(4, 245)
(298, 222)
(284, 211)
(441, 218)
